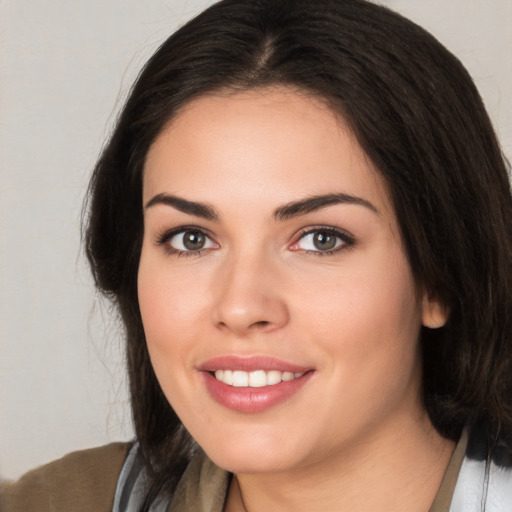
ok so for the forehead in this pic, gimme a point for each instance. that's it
(262, 144)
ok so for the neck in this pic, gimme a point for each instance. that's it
(396, 470)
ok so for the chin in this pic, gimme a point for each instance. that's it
(247, 454)
(250, 463)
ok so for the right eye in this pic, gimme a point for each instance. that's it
(187, 241)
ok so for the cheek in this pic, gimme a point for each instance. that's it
(368, 318)
(169, 315)
(168, 298)
(169, 309)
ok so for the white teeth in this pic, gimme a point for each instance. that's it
(240, 379)
(255, 379)
(273, 377)
(228, 377)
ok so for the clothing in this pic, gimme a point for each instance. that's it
(112, 478)
(83, 481)
(204, 485)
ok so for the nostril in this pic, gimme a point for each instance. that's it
(261, 323)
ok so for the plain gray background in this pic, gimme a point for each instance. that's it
(65, 69)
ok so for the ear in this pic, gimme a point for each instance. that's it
(434, 314)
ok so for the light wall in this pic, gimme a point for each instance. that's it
(64, 72)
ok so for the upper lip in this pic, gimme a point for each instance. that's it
(250, 364)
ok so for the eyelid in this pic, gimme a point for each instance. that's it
(164, 239)
(346, 238)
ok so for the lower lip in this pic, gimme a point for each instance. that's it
(250, 400)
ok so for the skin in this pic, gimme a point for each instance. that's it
(355, 436)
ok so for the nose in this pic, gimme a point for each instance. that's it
(248, 298)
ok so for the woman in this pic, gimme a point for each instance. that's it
(303, 217)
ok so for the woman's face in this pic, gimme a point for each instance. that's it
(279, 307)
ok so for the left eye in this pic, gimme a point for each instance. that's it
(321, 241)
(190, 241)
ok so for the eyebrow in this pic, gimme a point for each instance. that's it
(313, 203)
(284, 212)
(202, 210)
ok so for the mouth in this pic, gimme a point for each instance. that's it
(253, 384)
(254, 379)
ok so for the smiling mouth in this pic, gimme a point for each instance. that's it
(254, 384)
(254, 379)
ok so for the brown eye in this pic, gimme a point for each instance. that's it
(190, 240)
(193, 240)
(324, 241)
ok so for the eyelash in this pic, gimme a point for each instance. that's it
(347, 240)
(164, 239)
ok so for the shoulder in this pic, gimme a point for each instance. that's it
(82, 481)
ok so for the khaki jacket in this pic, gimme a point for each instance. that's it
(83, 481)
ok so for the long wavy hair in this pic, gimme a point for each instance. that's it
(418, 116)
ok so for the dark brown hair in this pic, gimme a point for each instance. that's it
(419, 118)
